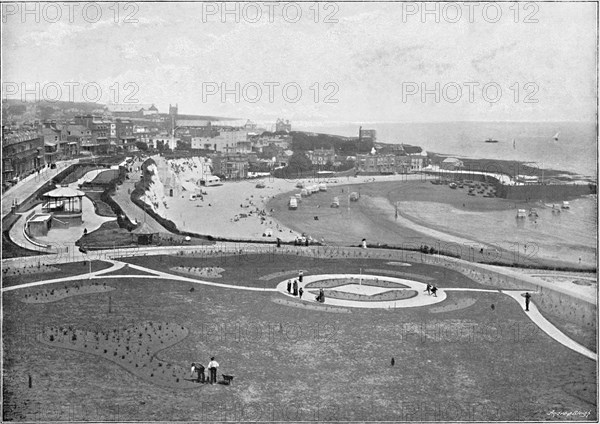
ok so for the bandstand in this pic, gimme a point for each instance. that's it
(65, 204)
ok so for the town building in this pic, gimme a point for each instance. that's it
(383, 163)
(418, 157)
(367, 135)
(321, 156)
(23, 153)
(79, 138)
(55, 141)
(231, 167)
(283, 126)
(451, 164)
(102, 133)
(124, 134)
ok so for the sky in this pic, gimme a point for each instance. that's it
(353, 62)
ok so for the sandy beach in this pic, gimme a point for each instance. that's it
(437, 215)
(220, 212)
(397, 210)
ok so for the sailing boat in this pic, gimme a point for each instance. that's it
(556, 136)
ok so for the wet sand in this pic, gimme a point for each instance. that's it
(435, 214)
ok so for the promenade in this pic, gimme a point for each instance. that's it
(27, 186)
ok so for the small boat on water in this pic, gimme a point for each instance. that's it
(490, 140)
(566, 205)
(453, 185)
(556, 136)
(521, 213)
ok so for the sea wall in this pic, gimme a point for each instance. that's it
(545, 192)
(530, 192)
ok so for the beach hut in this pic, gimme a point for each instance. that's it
(145, 234)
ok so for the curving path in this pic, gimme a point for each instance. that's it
(420, 300)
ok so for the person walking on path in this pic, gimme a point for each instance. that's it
(300, 275)
(434, 290)
(300, 292)
(428, 289)
(295, 288)
(527, 300)
(289, 286)
(212, 366)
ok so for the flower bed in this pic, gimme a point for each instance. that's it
(379, 297)
(133, 348)
(53, 295)
(336, 282)
(207, 272)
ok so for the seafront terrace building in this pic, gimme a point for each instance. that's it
(321, 156)
(23, 153)
(383, 163)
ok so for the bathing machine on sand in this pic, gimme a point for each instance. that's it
(322, 187)
(521, 213)
(293, 204)
(336, 202)
(211, 180)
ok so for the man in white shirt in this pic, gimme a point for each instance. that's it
(212, 366)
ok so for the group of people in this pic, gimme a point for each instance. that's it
(431, 290)
(198, 368)
(293, 289)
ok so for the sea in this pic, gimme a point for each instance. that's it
(575, 151)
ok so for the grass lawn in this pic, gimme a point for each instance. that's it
(106, 177)
(100, 207)
(64, 270)
(472, 362)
